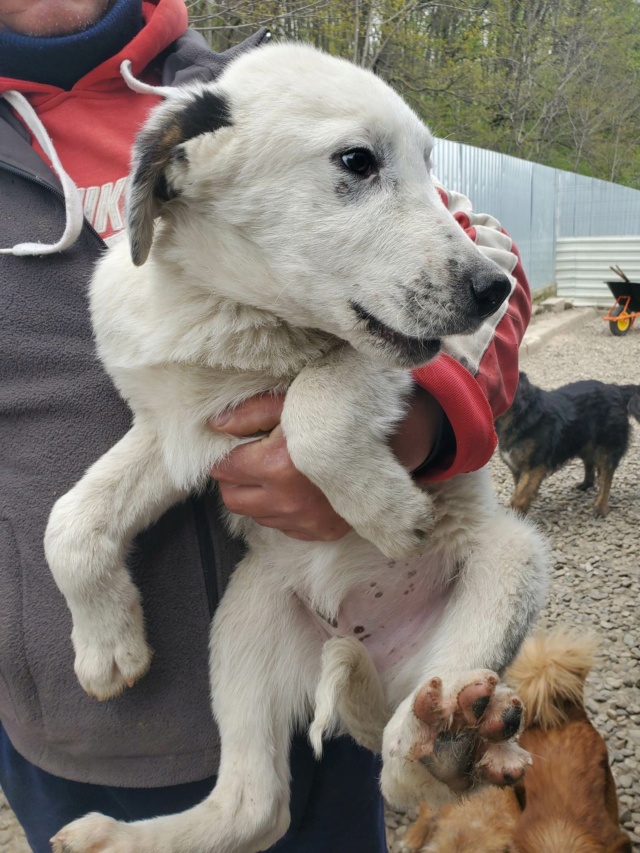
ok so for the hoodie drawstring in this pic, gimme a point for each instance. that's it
(72, 200)
(144, 88)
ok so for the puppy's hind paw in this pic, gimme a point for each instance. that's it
(461, 735)
(503, 763)
(93, 833)
(484, 716)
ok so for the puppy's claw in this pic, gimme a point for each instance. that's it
(474, 699)
(427, 705)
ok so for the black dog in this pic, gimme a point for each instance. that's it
(545, 429)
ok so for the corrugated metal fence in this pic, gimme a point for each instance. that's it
(542, 208)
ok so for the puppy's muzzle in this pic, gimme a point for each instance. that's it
(489, 290)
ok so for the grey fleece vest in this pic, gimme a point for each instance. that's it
(58, 414)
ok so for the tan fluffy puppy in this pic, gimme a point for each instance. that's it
(484, 823)
(567, 801)
(570, 802)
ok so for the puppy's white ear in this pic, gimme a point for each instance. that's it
(175, 121)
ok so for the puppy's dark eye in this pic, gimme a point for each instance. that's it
(360, 161)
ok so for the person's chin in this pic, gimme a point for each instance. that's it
(50, 18)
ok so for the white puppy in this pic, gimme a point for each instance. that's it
(301, 245)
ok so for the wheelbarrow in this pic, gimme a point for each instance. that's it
(626, 308)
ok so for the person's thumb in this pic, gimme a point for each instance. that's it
(255, 416)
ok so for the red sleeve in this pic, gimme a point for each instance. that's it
(475, 377)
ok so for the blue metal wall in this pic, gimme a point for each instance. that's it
(537, 204)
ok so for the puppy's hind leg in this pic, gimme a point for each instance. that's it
(89, 530)
(265, 656)
(606, 468)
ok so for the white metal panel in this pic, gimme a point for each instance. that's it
(582, 266)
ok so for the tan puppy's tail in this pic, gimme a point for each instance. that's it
(549, 674)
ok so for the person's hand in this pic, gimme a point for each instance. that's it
(259, 479)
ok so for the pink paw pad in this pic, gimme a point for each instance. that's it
(469, 738)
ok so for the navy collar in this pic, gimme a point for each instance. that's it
(63, 60)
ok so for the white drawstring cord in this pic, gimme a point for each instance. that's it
(144, 88)
(73, 203)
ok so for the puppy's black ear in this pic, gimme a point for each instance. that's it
(172, 123)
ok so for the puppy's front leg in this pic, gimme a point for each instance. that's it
(89, 530)
(338, 415)
(458, 727)
(264, 663)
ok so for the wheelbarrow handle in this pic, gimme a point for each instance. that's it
(616, 269)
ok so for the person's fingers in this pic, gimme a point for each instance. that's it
(303, 507)
(259, 480)
(243, 500)
(257, 414)
(257, 462)
(300, 507)
(304, 511)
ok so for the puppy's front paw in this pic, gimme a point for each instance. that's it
(94, 833)
(111, 656)
(461, 736)
(402, 526)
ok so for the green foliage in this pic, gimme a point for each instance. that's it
(555, 81)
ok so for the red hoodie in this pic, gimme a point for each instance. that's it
(105, 115)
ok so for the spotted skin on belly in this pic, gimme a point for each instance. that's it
(391, 616)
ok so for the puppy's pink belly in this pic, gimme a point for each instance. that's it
(392, 620)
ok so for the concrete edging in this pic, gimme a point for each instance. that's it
(542, 330)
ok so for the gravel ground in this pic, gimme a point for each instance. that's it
(11, 838)
(596, 571)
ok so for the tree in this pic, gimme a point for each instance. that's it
(556, 81)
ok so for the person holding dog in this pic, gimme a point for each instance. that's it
(67, 123)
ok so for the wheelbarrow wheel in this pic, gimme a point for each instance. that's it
(620, 327)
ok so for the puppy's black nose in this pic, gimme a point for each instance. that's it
(489, 290)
